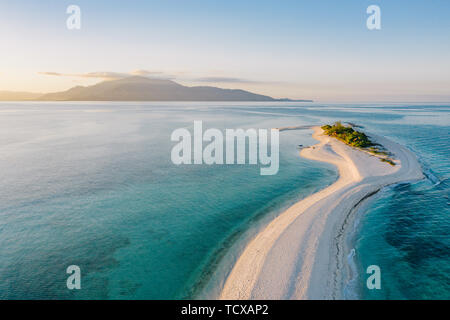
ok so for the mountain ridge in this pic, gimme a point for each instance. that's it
(138, 88)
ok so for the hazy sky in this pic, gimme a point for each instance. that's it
(320, 50)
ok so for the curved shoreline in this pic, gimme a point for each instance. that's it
(299, 255)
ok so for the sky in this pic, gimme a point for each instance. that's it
(319, 50)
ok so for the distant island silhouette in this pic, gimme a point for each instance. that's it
(138, 88)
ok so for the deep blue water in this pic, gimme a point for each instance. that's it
(92, 184)
(406, 232)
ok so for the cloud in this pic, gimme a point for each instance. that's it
(153, 74)
(103, 75)
(51, 73)
(225, 80)
(106, 75)
(214, 79)
(182, 76)
(100, 75)
(145, 72)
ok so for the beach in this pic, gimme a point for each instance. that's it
(301, 254)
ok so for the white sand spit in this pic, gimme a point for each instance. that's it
(299, 255)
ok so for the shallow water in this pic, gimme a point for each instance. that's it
(92, 184)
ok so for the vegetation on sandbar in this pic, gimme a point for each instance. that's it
(348, 135)
(392, 163)
(356, 139)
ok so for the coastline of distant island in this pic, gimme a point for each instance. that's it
(138, 88)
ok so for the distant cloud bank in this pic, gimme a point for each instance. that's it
(107, 75)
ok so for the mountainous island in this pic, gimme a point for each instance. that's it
(138, 88)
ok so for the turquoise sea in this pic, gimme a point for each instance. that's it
(93, 185)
